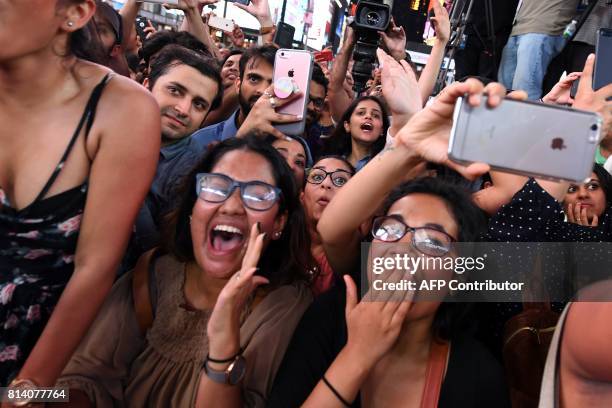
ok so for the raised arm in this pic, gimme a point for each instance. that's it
(125, 138)
(194, 24)
(260, 9)
(128, 13)
(428, 78)
(339, 100)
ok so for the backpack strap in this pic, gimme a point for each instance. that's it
(144, 290)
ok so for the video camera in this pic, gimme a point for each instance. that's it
(371, 17)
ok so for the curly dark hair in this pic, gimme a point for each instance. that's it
(339, 143)
(285, 260)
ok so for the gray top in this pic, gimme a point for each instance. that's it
(544, 16)
(600, 17)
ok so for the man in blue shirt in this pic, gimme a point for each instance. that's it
(256, 68)
(186, 85)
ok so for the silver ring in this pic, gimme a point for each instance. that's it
(268, 94)
(273, 102)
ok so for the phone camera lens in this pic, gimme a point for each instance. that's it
(594, 127)
(282, 54)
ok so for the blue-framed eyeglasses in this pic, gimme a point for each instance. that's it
(256, 195)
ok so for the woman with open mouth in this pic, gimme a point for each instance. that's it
(324, 180)
(361, 132)
(208, 318)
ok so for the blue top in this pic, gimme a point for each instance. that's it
(175, 162)
(214, 133)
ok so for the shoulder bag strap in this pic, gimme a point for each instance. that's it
(438, 356)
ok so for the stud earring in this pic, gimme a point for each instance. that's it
(277, 235)
(70, 24)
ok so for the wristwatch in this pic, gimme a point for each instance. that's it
(21, 385)
(232, 374)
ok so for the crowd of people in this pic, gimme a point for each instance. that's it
(162, 243)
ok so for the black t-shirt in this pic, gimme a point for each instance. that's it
(473, 379)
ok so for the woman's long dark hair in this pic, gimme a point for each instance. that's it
(605, 181)
(85, 43)
(340, 144)
(285, 260)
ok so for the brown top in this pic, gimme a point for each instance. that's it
(116, 366)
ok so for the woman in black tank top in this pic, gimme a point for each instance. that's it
(67, 201)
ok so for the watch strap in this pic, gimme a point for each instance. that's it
(232, 375)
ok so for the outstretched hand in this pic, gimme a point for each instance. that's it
(428, 132)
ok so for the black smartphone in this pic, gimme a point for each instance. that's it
(602, 75)
(283, 36)
(141, 24)
(574, 88)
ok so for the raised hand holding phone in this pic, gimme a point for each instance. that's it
(263, 115)
(428, 131)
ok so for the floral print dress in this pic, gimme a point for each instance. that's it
(37, 247)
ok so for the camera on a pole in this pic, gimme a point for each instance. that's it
(371, 17)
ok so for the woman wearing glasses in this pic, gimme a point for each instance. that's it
(394, 351)
(323, 182)
(209, 319)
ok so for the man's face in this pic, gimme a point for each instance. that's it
(230, 71)
(107, 35)
(316, 103)
(257, 77)
(184, 96)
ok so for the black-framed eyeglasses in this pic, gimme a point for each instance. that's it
(317, 102)
(427, 240)
(256, 195)
(338, 177)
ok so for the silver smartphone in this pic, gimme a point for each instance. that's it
(528, 138)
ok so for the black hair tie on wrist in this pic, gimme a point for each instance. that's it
(226, 360)
(336, 393)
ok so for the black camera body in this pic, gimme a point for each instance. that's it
(371, 17)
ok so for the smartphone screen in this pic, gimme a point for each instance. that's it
(296, 66)
(603, 63)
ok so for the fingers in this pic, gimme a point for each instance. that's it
(254, 247)
(586, 81)
(518, 95)
(472, 86)
(605, 92)
(282, 102)
(351, 294)
(283, 118)
(470, 172)
(583, 216)
(570, 213)
(577, 213)
(496, 93)
(595, 221)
